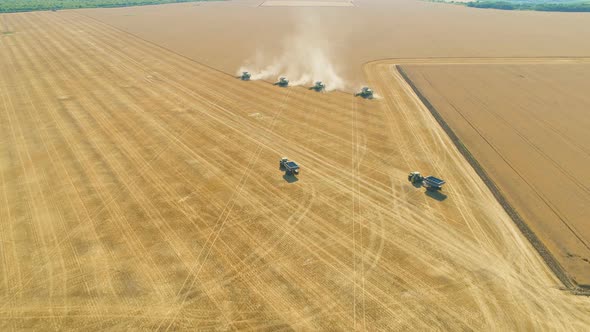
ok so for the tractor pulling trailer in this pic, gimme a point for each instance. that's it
(431, 183)
(289, 166)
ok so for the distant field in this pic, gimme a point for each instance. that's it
(10, 6)
(279, 3)
(528, 126)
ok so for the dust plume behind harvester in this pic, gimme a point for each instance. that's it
(305, 56)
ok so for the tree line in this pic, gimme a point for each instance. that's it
(540, 6)
(11, 6)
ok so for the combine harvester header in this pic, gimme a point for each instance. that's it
(283, 81)
(319, 86)
(366, 93)
(245, 76)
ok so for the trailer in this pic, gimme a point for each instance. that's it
(289, 166)
(433, 183)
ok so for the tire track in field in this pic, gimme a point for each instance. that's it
(427, 151)
(18, 136)
(6, 215)
(222, 84)
(138, 199)
(457, 192)
(18, 277)
(222, 219)
(394, 103)
(35, 218)
(353, 216)
(431, 309)
(62, 241)
(44, 139)
(464, 208)
(389, 89)
(105, 124)
(90, 168)
(214, 105)
(357, 156)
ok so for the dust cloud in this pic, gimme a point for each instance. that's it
(304, 58)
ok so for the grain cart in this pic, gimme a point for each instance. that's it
(289, 166)
(433, 183)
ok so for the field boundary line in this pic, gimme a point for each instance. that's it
(539, 246)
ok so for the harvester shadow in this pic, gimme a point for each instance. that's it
(290, 178)
(436, 195)
(417, 185)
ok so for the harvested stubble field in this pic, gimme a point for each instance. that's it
(528, 126)
(141, 190)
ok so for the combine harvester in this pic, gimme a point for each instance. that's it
(319, 86)
(431, 183)
(289, 166)
(283, 81)
(245, 76)
(366, 93)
